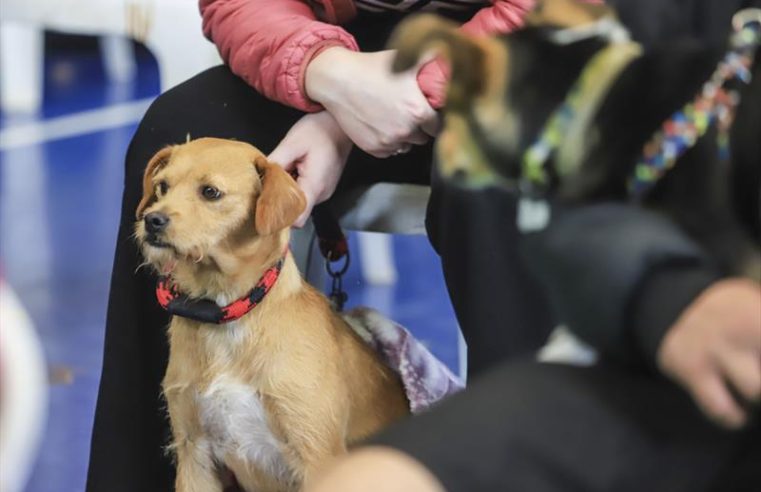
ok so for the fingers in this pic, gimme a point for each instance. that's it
(286, 155)
(311, 199)
(432, 125)
(743, 371)
(418, 137)
(424, 116)
(716, 401)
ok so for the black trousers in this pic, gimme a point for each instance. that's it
(527, 426)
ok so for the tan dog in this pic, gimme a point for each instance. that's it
(272, 396)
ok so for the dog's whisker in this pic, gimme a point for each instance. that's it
(141, 266)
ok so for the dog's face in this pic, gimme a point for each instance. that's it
(209, 198)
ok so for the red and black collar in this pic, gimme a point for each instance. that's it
(208, 311)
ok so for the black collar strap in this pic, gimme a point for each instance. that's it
(207, 311)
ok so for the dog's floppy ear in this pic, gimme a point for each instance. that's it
(280, 202)
(476, 64)
(158, 161)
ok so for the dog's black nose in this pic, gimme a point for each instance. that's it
(156, 222)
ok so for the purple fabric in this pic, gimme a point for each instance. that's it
(425, 378)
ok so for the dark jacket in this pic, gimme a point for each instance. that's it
(619, 275)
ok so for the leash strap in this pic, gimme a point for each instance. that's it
(334, 247)
(563, 133)
(714, 104)
(331, 239)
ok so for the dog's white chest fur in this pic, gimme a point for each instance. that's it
(236, 423)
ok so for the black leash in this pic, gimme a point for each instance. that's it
(334, 248)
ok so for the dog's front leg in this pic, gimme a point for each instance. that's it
(315, 436)
(196, 470)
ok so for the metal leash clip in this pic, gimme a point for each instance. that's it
(337, 295)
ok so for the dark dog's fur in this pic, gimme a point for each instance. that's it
(503, 91)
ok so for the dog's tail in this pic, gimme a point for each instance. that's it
(425, 35)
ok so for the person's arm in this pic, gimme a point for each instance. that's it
(634, 286)
(618, 275)
(270, 43)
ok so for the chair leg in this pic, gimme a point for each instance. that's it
(307, 256)
(376, 252)
(462, 356)
(118, 58)
(22, 65)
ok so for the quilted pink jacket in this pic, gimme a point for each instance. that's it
(269, 43)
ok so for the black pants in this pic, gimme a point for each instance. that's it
(527, 426)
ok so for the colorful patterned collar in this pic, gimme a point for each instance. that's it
(207, 311)
(714, 104)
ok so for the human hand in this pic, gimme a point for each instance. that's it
(383, 113)
(317, 149)
(715, 345)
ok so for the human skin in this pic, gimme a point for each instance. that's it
(715, 345)
(381, 112)
(376, 469)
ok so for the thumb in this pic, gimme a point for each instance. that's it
(311, 199)
(286, 155)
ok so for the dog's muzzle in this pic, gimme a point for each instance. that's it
(155, 224)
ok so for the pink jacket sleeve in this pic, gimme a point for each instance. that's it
(502, 17)
(269, 43)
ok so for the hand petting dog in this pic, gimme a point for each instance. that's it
(317, 149)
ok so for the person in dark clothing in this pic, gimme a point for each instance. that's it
(669, 287)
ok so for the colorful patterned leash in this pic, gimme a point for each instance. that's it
(714, 104)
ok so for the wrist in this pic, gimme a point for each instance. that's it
(661, 300)
(333, 128)
(322, 72)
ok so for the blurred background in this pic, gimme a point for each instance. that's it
(75, 78)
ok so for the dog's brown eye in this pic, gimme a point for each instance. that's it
(163, 187)
(210, 193)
